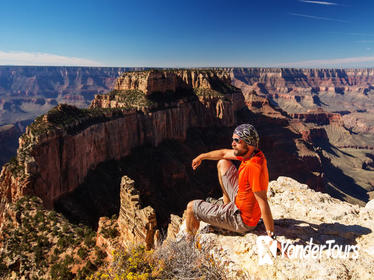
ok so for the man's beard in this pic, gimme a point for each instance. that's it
(240, 153)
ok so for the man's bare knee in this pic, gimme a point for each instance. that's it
(223, 165)
(190, 207)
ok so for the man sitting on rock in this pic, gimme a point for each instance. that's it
(244, 191)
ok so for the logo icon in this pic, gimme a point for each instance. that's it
(267, 249)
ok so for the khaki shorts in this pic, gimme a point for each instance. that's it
(223, 216)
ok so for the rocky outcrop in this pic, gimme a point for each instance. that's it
(172, 81)
(164, 88)
(137, 225)
(173, 228)
(301, 216)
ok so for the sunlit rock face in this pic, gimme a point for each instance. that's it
(136, 224)
(164, 81)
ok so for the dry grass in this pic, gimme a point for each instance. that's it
(187, 260)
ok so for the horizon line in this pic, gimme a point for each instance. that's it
(189, 67)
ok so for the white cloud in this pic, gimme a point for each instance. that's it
(320, 3)
(353, 34)
(330, 62)
(319, 18)
(365, 41)
(43, 59)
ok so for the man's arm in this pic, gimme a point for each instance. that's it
(214, 155)
(262, 200)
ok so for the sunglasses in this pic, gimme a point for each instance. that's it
(236, 140)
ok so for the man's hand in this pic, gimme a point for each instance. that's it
(196, 162)
(279, 250)
(213, 155)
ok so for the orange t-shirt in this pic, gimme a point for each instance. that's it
(253, 177)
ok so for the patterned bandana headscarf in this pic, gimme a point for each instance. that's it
(248, 134)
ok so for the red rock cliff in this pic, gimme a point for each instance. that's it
(163, 81)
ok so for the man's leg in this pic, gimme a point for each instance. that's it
(222, 166)
(222, 216)
(192, 224)
(210, 210)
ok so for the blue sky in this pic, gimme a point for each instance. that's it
(280, 33)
